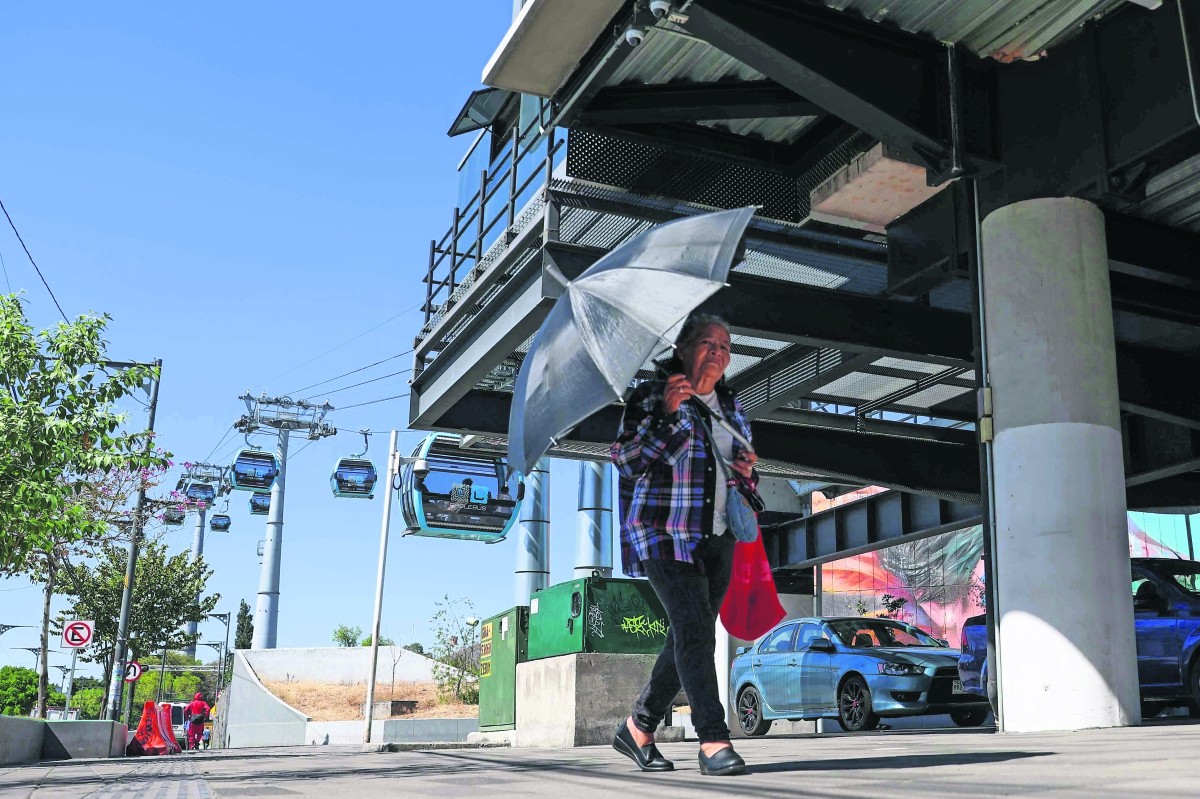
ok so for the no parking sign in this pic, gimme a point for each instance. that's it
(77, 634)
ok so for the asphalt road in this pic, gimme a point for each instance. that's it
(1152, 761)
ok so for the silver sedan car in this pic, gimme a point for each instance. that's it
(856, 670)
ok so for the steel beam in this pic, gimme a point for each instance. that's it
(688, 102)
(928, 467)
(888, 83)
(1153, 383)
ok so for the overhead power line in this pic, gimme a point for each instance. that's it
(35, 266)
(372, 402)
(352, 371)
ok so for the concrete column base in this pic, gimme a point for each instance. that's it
(578, 700)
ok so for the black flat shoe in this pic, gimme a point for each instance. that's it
(724, 763)
(647, 757)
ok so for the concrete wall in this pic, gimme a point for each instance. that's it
(338, 665)
(334, 733)
(65, 740)
(26, 740)
(255, 716)
(20, 740)
(576, 700)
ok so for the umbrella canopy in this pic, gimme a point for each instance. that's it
(609, 321)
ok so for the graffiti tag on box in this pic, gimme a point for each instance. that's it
(643, 626)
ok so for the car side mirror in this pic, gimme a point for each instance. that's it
(741, 650)
(942, 641)
(821, 644)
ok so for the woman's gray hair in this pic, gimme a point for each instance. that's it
(695, 325)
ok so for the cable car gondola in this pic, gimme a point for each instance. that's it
(451, 492)
(260, 504)
(220, 523)
(172, 517)
(201, 493)
(254, 470)
(355, 476)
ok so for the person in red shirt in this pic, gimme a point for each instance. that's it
(195, 715)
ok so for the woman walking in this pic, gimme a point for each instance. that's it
(674, 532)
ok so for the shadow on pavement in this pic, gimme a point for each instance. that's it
(894, 762)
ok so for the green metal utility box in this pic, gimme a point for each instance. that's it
(596, 614)
(503, 643)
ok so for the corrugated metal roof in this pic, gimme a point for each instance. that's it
(1007, 30)
(1174, 196)
(776, 129)
(670, 56)
(667, 56)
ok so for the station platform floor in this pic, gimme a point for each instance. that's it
(1159, 759)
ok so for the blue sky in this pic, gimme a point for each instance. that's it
(243, 187)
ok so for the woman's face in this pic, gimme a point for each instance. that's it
(707, 357)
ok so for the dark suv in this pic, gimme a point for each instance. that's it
(1166, 618)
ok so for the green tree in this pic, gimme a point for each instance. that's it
(243, 636)
(346, 636)
(383, 641)
(19, 691)
(164, 600)
(892, 605)
(456, 650)
(59, 430)
(178, 684)
(89, 701)
(415, 647)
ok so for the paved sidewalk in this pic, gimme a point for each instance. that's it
(1160, 760)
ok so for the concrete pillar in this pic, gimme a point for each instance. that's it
(197, 551)
(533, 534)
(266, 612)
(594, 525)
(1067, 654)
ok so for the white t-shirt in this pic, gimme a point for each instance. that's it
(724, 443)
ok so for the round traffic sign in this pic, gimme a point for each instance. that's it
(77, 634)
(133, 671)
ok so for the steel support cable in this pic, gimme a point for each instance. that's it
(352, 371)
(363, 383)
(372, 402)
(35, 266)
(339, 346)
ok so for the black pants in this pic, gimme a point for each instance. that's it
(692, 594)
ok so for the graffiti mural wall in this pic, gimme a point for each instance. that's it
(937, 583)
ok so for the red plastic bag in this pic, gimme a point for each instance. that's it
(751, 605)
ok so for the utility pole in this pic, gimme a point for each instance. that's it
(208, 474)
(116, 684)
(392, 468)
(282, 414)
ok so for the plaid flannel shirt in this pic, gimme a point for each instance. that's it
(668, 476)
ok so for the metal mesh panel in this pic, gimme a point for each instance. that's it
(643, 167)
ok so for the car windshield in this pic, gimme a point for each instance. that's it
(1185, 573)
(865, 633)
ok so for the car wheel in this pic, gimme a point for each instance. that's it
(968, 717)
(750, 712)
(854, 706)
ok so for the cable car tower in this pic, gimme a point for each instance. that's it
(250, 472)
(203, 483)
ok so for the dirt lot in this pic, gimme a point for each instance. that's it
(325, 702)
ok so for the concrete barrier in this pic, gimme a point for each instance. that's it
(338, 665)
(335, 733)
(65, 740)
(20, 740)
(576, 700)
(255, 716)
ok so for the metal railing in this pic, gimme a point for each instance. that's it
(470, 233)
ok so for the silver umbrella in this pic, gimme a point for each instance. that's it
(624, 309)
